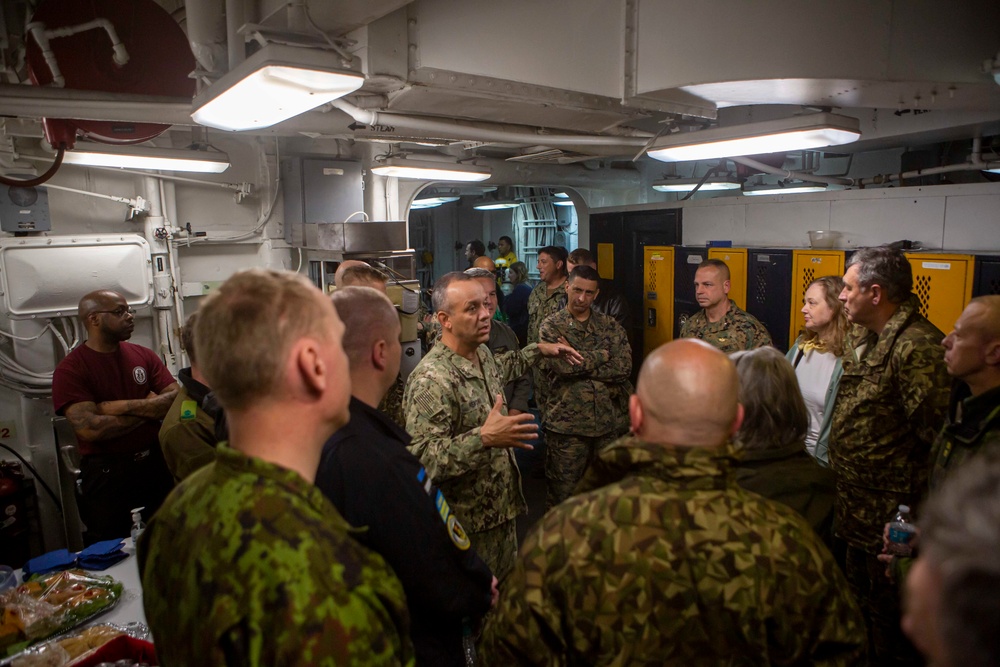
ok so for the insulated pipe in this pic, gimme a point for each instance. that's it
(768, 169)
(470, 132)
(206, 32)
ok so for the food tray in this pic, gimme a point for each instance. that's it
(51, 606)
(116, 639)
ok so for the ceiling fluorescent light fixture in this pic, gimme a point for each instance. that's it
(147, 157)
(563, 202)
(274, 84)
(428, 170)
(488, 205)
(789, 190)
(687, 185)
(771, 136)
(431, 202)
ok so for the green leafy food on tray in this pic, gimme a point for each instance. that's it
(50, 604)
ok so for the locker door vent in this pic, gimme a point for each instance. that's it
(651, 286)
(808, 276)
(923, 291)
(760, 293)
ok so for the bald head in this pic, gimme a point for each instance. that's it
(987, 309)
(972, 349)
(686, 396)
(484, 262)
(99, 300)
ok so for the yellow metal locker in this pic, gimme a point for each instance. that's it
(807, 266)
(606, 260)
(944, 285)
(658, 297)
(736, 260)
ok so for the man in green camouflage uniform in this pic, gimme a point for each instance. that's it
(549, 296)
(972, 356)
(663, 559)
(457, 414)
(246, 562)
(587, 404)
(720, 322)
(891, 402)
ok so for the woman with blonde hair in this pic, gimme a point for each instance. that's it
(816, 358)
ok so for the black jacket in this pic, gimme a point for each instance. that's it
(611, 302)
(378, 485)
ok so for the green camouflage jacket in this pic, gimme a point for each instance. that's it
(590, 399)
(446, 401)
(973, 426)
(663, 560)
(187, 436)
(541, 304)
(247, 563)
(737, 330)
(891, 402)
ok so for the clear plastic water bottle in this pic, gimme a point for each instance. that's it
(137, 525)
(901, 531)
(469, 645)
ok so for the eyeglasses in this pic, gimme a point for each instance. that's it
(117, 312)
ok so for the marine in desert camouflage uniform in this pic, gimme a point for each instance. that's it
(457, 414)
(246, 562)
(892, 400)
(720, 322)
(587, 404)
(663, 560)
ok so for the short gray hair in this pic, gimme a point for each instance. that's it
(775, 414)
(368, 316)
(886, 267)
(959, 536)
(439, 300)
(476, 272)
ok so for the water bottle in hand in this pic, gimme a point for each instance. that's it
(901, 531)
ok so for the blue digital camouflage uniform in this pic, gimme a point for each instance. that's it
(892, 400)
(737, 330)
(447, 400)
(247, 563)
(664, 560)
(587, 405)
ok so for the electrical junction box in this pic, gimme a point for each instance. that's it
(318, 191)
(24, 209)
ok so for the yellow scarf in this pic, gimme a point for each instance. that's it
(814, 344)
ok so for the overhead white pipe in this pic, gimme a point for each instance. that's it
(975, 163)
(784, 173)
(206, 33)
(235, 10)
(472, 132)
(42, 37)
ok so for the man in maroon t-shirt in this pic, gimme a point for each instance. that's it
(114, 395)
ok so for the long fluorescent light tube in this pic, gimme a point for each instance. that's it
(431, 202)
(495, 205)
(772, 136)
(563, 202)
(431, 171)
(147, 157)
(790, 190)
(274, 84)
(687, 185)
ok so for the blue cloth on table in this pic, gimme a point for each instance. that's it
(98, 556)
(59, 559)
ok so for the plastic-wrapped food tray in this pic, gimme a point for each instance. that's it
(90, 646)
(52, 605)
